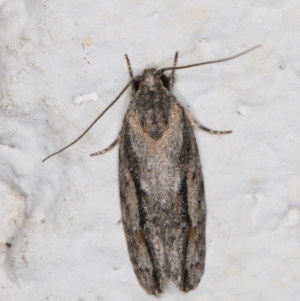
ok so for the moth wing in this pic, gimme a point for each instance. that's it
(196, 247)
(136, 242)
(186, 255)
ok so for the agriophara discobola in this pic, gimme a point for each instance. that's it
(160, 181)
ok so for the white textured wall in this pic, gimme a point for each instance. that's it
(61, 216)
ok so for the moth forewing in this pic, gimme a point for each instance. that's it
(160, 179)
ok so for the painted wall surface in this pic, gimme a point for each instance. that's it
(62, 63)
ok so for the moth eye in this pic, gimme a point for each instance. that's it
(165, 81)
(136, 85)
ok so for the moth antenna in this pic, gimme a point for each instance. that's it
(124, 89)
(172, 76)
(210, 62)
(129, 66)
(175, 63)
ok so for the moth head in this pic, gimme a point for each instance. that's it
(152, 79)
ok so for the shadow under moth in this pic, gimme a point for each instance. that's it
(161, 183)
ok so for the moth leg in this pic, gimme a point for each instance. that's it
(196, 124)
(106, 150)
(172, 76)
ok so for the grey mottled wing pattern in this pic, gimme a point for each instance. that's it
(196, 248)
(162, 202)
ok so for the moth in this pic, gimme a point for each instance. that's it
(161, 182)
